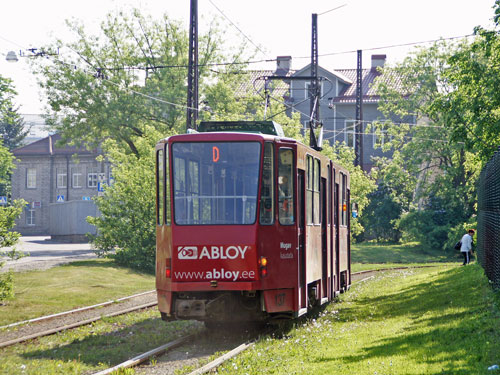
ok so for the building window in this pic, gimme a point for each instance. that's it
(380, 136)
(307, 94)
(350, 133)
(31, 178)
(30, 216)
(62, 179)
(77, 180)
(92, 178)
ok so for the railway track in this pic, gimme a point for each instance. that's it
(190, 349)
(46, 325)
(30, 329)
(237, 349)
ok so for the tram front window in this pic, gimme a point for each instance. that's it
(215, 183)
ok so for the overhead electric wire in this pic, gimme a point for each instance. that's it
(338, 132)
(237, 28)
(331, 10)
(387, 47)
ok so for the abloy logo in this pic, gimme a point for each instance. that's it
(211, 252)
(187, 252)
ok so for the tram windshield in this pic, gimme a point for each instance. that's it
(215, 183)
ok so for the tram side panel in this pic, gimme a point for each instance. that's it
(163, 254)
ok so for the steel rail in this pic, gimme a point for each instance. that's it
(74, 325)
(145, 356)
(85, 308)
(223, 358)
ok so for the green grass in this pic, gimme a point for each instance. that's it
(368, 256)
(94, 347)
(66, 287)
(421, 321)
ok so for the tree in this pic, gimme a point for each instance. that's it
(474, 103)
(441, 170)
(11, 123)
(8, 215)
(130, 77)
(127, 220)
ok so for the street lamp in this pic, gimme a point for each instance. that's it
(35, 52)
(11, 57)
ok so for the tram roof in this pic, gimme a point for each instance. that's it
(258, 127)
(225, 136)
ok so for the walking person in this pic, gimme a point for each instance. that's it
(466, 247)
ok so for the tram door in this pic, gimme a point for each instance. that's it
(337, 238)
(324, 240)
(301, 240)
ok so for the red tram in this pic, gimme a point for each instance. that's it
(250, 225)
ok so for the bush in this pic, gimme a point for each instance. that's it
(8, 216)
(380, 217)
(427, 227)
(126, 227)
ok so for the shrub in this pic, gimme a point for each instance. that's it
(8, 216)
(126, 226)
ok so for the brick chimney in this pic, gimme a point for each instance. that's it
(378, 60)
(283, 65)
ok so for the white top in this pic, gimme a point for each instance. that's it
(466, 243)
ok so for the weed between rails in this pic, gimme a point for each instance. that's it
(97, 346)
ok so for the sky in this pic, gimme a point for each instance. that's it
(277, 27)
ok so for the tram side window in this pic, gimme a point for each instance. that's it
(286, 200)
(317, 178)
(160, 185)
(309, 190)
(267, 190)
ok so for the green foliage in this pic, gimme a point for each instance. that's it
(361, 183)
(380, 216)
(126, 227)
(433, 174)
(8, 215)
(425, 227)
(474, 103)
(131, 76)
(11, 124)
(6, 165)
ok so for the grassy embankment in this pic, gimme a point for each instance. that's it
(441, 320)
(368, 256)
(66, 287)
(438, 320)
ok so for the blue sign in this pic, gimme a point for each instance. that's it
(85, 198)
(60, 198)
(100, 187)
(3, 200)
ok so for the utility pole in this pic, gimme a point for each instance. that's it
(192, 90)
(315, 89)
(359, 113)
